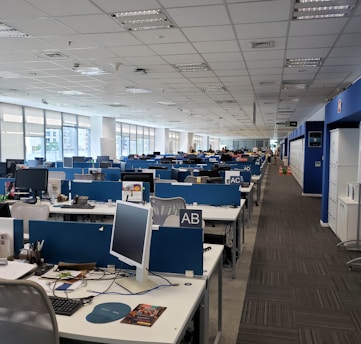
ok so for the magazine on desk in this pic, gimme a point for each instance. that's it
(144, 315)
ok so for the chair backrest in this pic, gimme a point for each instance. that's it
(79, 176)
(57, 174)
(196, 179)
(28, 212)
(26, 314)
(163, 207)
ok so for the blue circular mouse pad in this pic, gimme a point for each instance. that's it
(107, 312)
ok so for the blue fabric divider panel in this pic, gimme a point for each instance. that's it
(69, 171)
(177, 249)
(174, 250)
(18, 226)
(111, 174)
(212, 194)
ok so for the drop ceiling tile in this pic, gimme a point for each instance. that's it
(126, 5)
(260, 11)
(350, 39)
(173, 48)
(91, 23)
(222, 57)
(216, 46)
(177, 3)
(264, 55)
(65, 7)
(316, 27)
(353, 25)
(70, 42)
(307, 42)
(265, 31)
(199, 16)
(134, 50)
(19, 9)
(210, 33)
(160, 36)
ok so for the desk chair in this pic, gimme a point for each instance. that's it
(163, 207)
(28, 212)
(79, 176)
(26, 314)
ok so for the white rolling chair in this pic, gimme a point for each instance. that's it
(26, 212)
(26, 313)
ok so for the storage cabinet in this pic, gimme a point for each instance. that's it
(347, 211)
(344, 143)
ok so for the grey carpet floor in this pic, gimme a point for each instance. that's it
(299, 290)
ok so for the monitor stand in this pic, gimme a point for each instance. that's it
(135, 287)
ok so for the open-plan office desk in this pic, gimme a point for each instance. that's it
(182, 302)
(232, 215)
(248, 190)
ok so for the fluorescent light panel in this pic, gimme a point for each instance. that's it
(191, 67)
(7, 31)
(304, 62)
(143, 20)
(321, 9)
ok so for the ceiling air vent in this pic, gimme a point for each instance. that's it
(231, 101)
(55, 55)
(262, 44)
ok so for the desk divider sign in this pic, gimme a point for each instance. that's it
(190, 218)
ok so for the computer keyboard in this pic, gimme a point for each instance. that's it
(65, 306)
(78, 206)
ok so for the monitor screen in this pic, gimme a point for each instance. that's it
(33, 179)
(130, 241)
(5, 210)
(105, 164)
(3, 171)
(138, 177)
(101, 158)
(68, 162)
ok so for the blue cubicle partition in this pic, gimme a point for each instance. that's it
(103, 190)
(212, 194)
(173, 249)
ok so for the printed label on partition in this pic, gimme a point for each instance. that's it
(235, 180)
(190, 218)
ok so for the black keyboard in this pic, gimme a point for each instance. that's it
(65, 306)
(78, 206)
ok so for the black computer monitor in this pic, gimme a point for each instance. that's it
(138, 177)
(3, 171)
(5, 210)
(209, 173)
(130, 242)
(78, 159)
(68, 162)
(34, 180)
(101, 158)
(105, 164)
(11, 166)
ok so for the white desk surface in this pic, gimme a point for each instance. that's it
(181, 302)
(211, 258)
(247, 189)
(101, 208)
(218, 213)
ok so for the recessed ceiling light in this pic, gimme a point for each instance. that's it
(219, 88)
(192, 67)
(294, 85)
(91, 71)
(7, 31)
(321, 9)
(71, 93)
(136, 90)
(143, 20)
(304, 62)
(167, 103)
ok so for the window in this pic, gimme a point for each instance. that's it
(140, 140)
(34, 133)
(133, 139)
(174, 142)
(70, 140)
(12, 133)
(53, 136)
(83, 136)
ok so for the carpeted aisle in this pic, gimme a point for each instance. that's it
(299, 290)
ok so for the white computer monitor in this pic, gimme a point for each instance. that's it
(130, 243)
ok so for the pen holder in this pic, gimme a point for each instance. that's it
(34, 256)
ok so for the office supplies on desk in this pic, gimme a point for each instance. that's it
(77, 206)
(16, 269)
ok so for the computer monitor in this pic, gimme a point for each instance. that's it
(11, 166)
(3, 172)
(138, 177)
(5, 210)
(130, 243)
(68, 162)
(34, 180)
(101, 158)
(105, 164)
